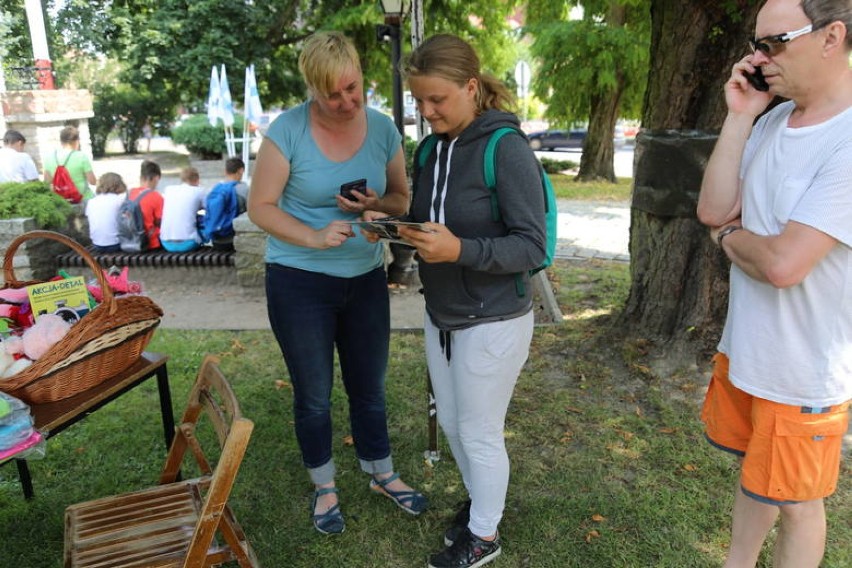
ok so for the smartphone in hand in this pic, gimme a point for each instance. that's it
(359, 185)
(757, 80)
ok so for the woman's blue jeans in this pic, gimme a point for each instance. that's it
(311, 314)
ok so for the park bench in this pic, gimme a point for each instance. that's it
(201, 257)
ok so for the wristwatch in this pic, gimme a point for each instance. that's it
(725, 232)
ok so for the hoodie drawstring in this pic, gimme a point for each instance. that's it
(446, 338)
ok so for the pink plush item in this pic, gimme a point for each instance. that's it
(14, 345)
(7, 311)
(118, 282)
(14, 295)
(45, 332)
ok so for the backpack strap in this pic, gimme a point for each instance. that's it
(423, 150)
(489, 166)
(421, 154)
(68, 157)
(141, 195)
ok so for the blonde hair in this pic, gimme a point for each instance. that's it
(189, 175)
(325, 57)
(451, 58)
(110, 183)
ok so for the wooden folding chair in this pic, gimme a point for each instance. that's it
(177, 523)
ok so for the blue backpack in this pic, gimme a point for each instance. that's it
(489, 166)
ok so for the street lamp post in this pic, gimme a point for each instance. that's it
(390, 31)
(402, 269)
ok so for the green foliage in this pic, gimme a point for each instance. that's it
(410, 146)
(33, 199)
(126, 109)
(593, 57)
(169, 46)
(200, 138)
(552, 166)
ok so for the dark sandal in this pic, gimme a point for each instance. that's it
(412, 502)
(330, 522)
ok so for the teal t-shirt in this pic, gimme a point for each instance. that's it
(315, 181)
(78, 165)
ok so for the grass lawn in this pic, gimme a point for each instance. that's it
(609, 466)
(566, 187)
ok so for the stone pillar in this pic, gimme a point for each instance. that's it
(40, 115)
(250, 246)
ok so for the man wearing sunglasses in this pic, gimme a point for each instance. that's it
(777, 194)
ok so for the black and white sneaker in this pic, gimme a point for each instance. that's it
(460, 522)
(468, 551)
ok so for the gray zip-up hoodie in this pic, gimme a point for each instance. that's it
(450, 189)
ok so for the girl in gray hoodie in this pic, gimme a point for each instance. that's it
(479, 321)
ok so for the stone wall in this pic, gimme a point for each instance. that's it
(35, 259)
(250, 244)
(40, 115)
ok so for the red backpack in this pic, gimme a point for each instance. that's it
(62, 182)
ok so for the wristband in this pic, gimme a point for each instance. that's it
(725, 232)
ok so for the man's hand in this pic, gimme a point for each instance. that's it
(437, 245)
(740, 96)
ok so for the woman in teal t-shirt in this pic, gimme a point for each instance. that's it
(326, 287)
(78, 164)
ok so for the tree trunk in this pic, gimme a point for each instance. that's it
(678, 277)
(597, 160)
(598, 152)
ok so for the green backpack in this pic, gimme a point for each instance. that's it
(489, 167)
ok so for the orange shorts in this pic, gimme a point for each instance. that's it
(790, 453)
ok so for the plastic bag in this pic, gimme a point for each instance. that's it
(18, 436)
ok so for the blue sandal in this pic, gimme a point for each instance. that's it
(412, 502)
(330, 522)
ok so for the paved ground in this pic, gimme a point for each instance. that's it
(202, 299)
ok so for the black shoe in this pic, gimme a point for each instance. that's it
(460, 522)
(468, 551)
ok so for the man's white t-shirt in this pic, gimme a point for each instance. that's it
(16, 166)
(102, 213)
(794, 345)
(181, 204)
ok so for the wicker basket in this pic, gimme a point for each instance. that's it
(103, 343)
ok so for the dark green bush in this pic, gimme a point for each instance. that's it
(33, 199)
(125, 109)
(552, 166)
(410, 146)
(207, 142)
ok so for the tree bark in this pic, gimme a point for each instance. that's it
(678, 277)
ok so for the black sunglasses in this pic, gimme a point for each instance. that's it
(772, 45)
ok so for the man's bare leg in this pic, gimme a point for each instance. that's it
(801, 539)
(751, 523)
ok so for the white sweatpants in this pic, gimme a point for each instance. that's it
(472, 393)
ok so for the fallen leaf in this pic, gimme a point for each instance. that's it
(598, 518)
(690, 467)
(592, 534)
(279, 384)
(567, 437)
(667, 430)
(625, 434)
(348, 441)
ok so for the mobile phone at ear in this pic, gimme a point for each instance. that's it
(757, 80)
(359, 185)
